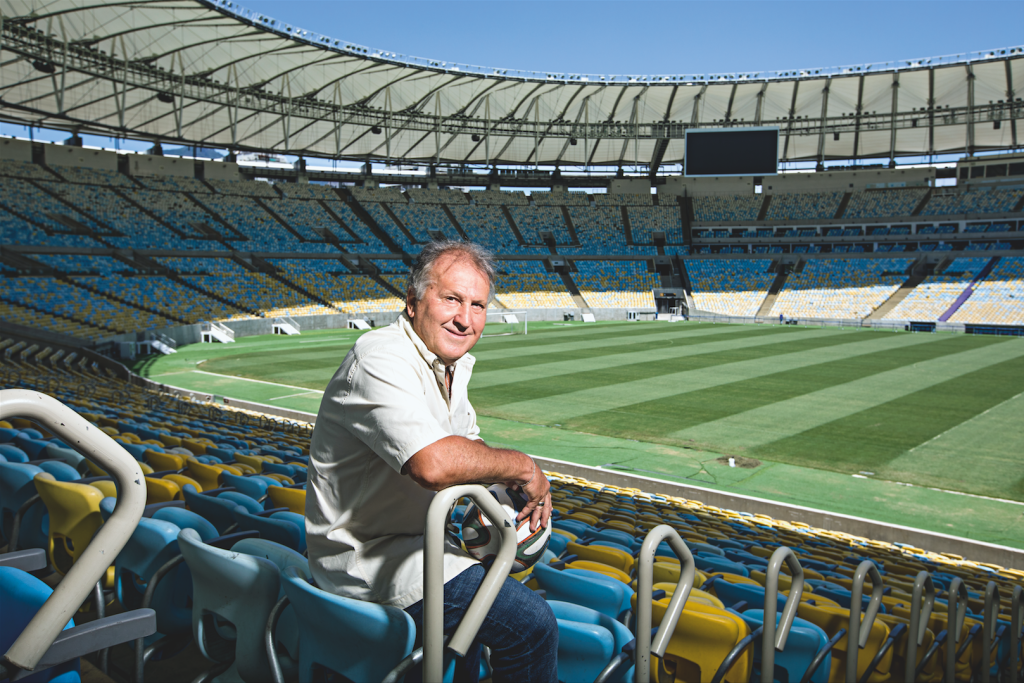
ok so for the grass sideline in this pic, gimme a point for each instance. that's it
(801, 409)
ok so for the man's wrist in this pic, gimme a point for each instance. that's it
(533, 472)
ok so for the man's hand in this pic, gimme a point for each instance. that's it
(538, 491)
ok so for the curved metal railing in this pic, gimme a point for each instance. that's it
(773, 638)
(645, 583)
(955, 615)
(433, 576)
(859, 631)
(919, 616)
(36, 646)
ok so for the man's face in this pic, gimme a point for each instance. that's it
(451, 315)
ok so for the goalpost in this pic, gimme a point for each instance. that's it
(502, 323)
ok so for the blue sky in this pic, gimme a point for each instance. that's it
(641, 37)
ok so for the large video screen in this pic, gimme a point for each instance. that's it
(729, 152)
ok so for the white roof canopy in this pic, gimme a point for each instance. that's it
(213, 74)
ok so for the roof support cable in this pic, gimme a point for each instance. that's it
(895, 109)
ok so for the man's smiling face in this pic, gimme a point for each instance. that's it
(450, 316)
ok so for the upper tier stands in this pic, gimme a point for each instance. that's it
(427, 196)
(645, 220)
(487, 225)
(307, 191)
(792, 206)
(931, 298)
(726, 208)
(524, 284)
(883, 203)
(729, 286)
(29, 215)
(92, 176)
(372, 243)
(173, 184)
(419, 219)
(999, 298)
(347, 292)
(24, 169)
(974, 201)
(244, 188)
(560, 198)
(600, 229)
(532, 220)
(392, 195)
(490, 197)
(840, 288)
(623, 199)
(399, 236)
(615, 284)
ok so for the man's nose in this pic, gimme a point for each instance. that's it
(462, 316)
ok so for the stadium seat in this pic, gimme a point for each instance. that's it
(17, 486)
(74, 517)
(357, 640)
(235, 589)
(596, 591)
(588, 641)
(21, 595)
(285, 528)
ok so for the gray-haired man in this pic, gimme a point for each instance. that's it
(394, 426)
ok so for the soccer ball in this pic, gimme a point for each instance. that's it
(483, 540)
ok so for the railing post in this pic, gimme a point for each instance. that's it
(645, 580)
(955, 613)
(92, 564)
(1016, 617)
(918, 620)
(433, 576)
(770, 640)
(858, 632)
(988, 629)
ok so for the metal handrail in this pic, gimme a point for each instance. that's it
(988, 629)
(858, 637)
(919, 617)
(92, 564)
(645, 582)
(772, 640)
(956, 612)
(433, 575)
(1016, 618)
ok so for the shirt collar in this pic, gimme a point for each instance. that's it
(405, 323)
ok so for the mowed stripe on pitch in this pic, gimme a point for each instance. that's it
(783, 419)
(663, 416)
(616, 339)
(554, 409)
(615, 358)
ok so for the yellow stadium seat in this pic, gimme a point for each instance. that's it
(830, 620)
(613, 557)
(74, 511)
(161, 490)
(207, 475)
(163, 462)
(251, 461)
(293, 499)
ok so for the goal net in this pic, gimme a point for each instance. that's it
(502, 323)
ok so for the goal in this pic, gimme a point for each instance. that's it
(502, 323)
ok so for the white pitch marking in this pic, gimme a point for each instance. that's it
(302, 393)
(920, 445)
(259, 381)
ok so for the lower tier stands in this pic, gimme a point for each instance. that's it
(729, 286)
(615, 284)
(999, 298)
(842, 289)
(525, 284)
(936, 294)
(219, 468)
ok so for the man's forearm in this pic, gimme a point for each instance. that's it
(458, 460)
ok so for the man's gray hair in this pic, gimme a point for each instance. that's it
(421, 275)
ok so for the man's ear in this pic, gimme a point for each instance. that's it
(410, 303)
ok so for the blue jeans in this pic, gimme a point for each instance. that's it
(520, 629)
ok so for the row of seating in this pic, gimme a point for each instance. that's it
(180, 563)
(843, 289)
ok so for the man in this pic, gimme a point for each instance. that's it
(396, 425)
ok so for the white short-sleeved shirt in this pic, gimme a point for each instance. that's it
(364, 519)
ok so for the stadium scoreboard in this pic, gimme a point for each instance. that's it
(731, 152)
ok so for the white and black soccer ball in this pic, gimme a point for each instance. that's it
(482, 540)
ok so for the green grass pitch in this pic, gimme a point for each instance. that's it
(801, 408)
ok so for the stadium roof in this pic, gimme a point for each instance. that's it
(211, 73)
